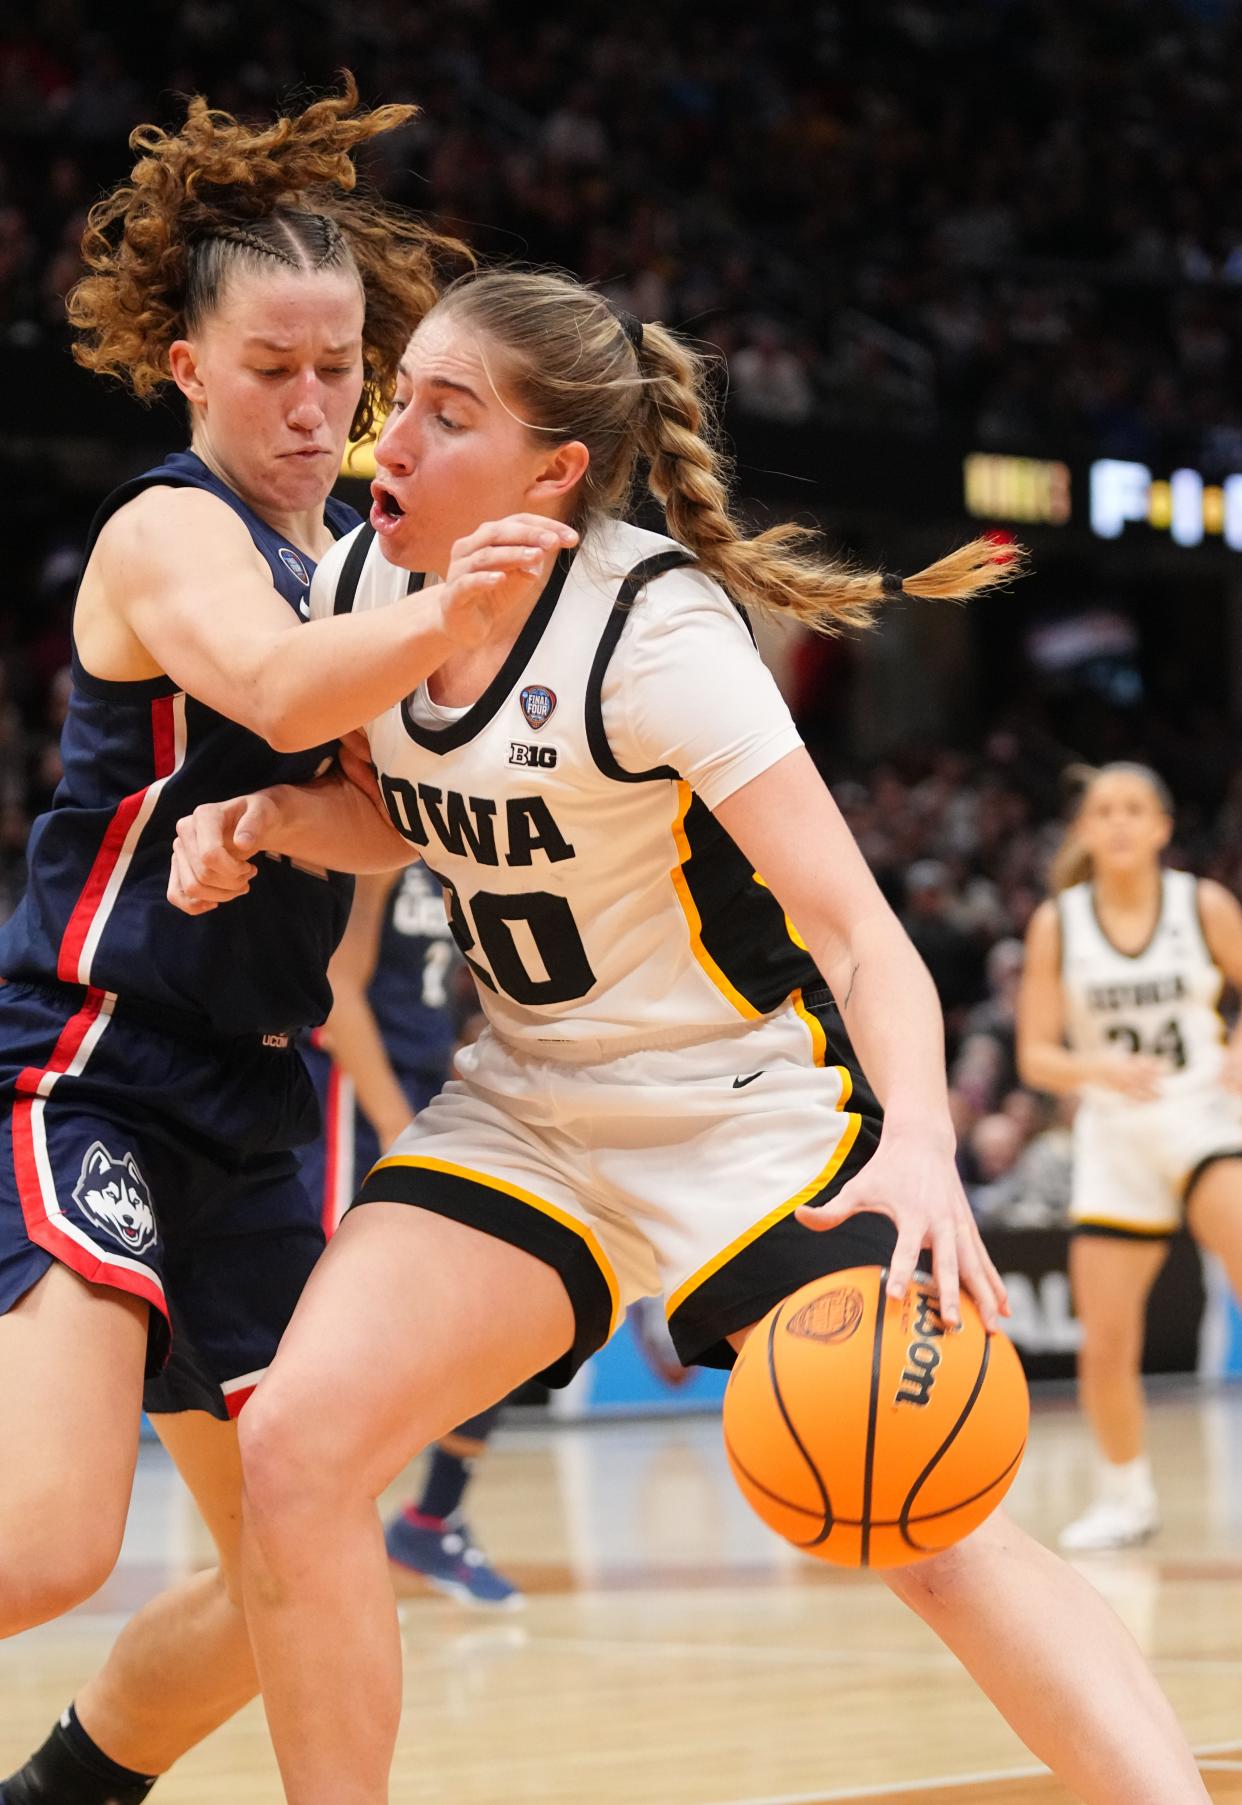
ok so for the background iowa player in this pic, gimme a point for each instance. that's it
(149, 1096)
(381, 1056)
(1127, 965)
(664, 1083)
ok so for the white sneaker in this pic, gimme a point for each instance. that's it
(1111, 1523)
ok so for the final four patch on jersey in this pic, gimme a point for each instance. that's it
(293, 563)
(537, 705)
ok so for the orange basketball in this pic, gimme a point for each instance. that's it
(865, 1433)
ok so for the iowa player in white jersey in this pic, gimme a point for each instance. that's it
(664, 1098)
(1124, 971)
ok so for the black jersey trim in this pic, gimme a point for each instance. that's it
(106, 689)
(485, 1203)
(351, 572)
(458, 733)
(351, 569)
(337, 517)
(632, 587)
(1161, 917)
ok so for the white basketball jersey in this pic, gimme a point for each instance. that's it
(597, 905)
(1161, 1000)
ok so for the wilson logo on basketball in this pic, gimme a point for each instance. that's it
(922, 1355)
(832, 1317)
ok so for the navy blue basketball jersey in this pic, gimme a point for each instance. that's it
(138, 756)
(409, 993)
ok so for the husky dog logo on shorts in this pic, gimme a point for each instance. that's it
(113, 1194)
(537, 705)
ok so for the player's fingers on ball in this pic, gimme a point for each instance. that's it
(979, 1280)
(987, 1267)
(945, 1268)
(910, 1239)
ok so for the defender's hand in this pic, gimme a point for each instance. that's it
(501, 566)
(212, 852)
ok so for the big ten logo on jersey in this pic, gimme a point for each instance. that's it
(542, 758)
(470, 827)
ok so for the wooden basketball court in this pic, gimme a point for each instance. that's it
(670, 1650)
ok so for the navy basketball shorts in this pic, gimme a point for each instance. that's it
(662, 1171)
(336, 1162)
(161, 1167)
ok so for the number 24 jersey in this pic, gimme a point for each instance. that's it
(1160, 1000)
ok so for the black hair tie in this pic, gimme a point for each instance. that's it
(631, 325)
(892, 585)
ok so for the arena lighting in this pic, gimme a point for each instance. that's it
(1034, 490)
(1184, 506)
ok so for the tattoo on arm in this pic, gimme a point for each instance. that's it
(849, 993)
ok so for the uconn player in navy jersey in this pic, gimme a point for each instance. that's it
(663, 1098)
(150, 1097)
(1125, 967)
(384, 1051)
(381, 1056)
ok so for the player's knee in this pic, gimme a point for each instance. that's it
(288, 1474)
(40, 1584)
(1111, 1349)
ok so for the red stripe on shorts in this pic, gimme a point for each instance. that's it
(45, 1232)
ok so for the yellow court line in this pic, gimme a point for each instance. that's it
(425, 1163)
(848, 1137)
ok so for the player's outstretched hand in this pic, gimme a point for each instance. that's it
(212, 852)
(499, 567)
(917, 1187)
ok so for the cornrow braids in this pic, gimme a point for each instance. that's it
(219, 194)
(637, 396)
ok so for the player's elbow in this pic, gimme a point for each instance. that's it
(287, 729)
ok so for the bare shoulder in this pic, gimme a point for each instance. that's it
(165, 531)
(1218, 906)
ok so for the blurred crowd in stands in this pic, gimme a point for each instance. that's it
(1015, 219)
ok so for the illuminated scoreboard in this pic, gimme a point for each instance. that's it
(1031, 491)
(1181, 505)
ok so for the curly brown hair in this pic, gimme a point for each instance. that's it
(219, 194)
(638, 397)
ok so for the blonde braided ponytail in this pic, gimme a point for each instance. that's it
(636, 396)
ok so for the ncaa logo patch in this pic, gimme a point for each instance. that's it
(113, 1194)
(293, 563)
(537, 705)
